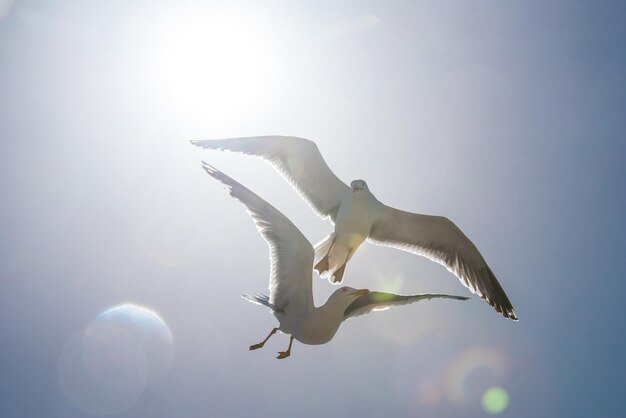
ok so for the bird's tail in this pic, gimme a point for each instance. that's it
(331, 267)
(322, 249)
(258, 299)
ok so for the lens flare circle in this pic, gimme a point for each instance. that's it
(495, 400)
(136, 316)
(484, 362)
(142, 324)
(105, 368)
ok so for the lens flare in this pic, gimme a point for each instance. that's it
(495, 400)
(142, 324)
(391, 284)
(135, 316)
(106, 368)
(489, 362)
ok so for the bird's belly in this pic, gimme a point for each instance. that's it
(353, 226)
(349, 240)
(286, 323)
(355, 216)
(313, 333)
(311, 341)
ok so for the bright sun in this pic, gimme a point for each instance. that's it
(217, 62)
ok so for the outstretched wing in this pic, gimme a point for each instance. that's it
(299, 161)
(440, 240)
(291, 254)
(379, 301)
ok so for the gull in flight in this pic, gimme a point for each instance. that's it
(358, 216)
(291, 273)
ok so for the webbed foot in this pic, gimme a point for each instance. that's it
(283, 354)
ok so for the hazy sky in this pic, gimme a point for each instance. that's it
(506, 117)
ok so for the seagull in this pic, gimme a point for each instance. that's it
(358, 215)
(291, 273)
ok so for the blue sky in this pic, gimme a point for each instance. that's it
(508, 118)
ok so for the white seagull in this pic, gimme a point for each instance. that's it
(358, 216)
(291, 272)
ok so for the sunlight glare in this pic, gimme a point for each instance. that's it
(214, 63)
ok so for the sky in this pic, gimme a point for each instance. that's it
(122, 263)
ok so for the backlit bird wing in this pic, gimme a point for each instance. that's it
(299, 161)
(440, 240)
(379, 301)
(291, 254)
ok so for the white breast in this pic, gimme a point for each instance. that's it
(356, 213)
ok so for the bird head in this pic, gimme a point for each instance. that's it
(345, 295)
(357, 185)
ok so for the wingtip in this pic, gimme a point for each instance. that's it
(508, 314)
(209, 168)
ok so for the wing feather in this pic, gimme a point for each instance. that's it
(440, 240)
(291, 254)
(378, 301)
(299, 161)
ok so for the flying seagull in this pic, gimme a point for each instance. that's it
(291, 273)
(358, 216)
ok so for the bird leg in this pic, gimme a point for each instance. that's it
(259, 345)
(285, 354)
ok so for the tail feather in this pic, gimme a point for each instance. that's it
(322, 248)
(322, 266)
(334, 274)
(259, 300)
(329, 267)
(337, 277)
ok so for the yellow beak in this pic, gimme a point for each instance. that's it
(361, 292)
